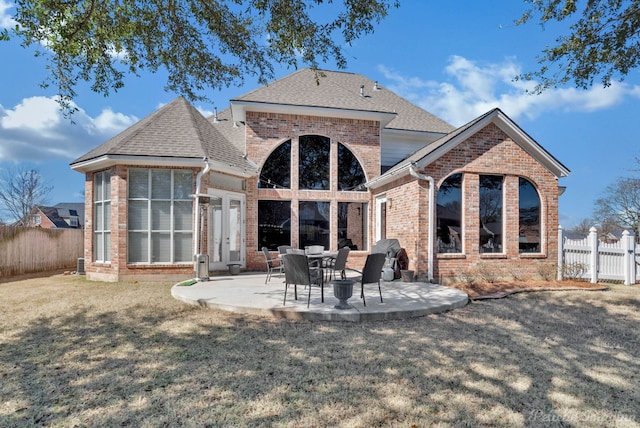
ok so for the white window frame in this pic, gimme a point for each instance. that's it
(380, 200)
(102, 229)
(149, 231)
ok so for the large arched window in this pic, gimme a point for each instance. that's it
(449, 214)
(315, 165)
(350, 173)
(490, 210)
(529, 209)
(313, 162)
(276, 172)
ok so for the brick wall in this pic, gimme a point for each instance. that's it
(118, 269)
(490, 152)
(266, 131)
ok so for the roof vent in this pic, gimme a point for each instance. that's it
(375, 86)
(362, 90)
(215, 115)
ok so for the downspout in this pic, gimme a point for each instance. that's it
(196, 237)
(432, 197)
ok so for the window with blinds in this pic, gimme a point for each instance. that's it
(160, 216)
(102, 217)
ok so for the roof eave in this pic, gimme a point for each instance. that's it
(512, 130)
(239, 111)
(388, 177)
(107, 161)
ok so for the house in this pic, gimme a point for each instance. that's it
(54, 218)
(317, 158)
(66, 208)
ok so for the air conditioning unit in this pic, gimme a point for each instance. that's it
(80, 268)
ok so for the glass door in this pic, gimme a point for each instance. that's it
(226, 229)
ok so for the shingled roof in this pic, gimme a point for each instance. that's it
(177, 130)
(438, 148)
(341, 90)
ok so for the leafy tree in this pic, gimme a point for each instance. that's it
(603, 41)
(202, 44)
(22, 189)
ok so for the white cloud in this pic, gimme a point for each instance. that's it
(472, 88)
(35, 131)
(6, 21)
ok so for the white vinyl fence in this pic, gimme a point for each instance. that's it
(594, 260)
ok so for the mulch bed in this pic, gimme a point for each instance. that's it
(498, 290)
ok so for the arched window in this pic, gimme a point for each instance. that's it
(529, 209)
(350, 173)
(276, 172)
(313, 162)
(449, 215)
(491, 207)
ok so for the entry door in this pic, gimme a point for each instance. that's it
(226, 229)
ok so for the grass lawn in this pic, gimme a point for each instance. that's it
(79, 353)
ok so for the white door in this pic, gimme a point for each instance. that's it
(381, 218)
(226, 234)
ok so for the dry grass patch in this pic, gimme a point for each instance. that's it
(503, 288)
(78, 353)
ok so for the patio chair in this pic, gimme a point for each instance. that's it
(371, 273)
(272, 265)
(297, 273)
(282, 249)
(314, 249)
(339, 264)
(295, 251)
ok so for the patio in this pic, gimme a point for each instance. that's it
(248, 293)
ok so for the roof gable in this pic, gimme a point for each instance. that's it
(176, 130)
(431, 152)
(347, 92)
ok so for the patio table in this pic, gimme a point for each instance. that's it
(316, 260)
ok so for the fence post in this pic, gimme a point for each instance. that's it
(560, 252)
(593, 257)
(629, 258)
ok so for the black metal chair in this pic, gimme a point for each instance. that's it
(282, 249)
(272, 265)
(297, 273)
(371, 273)
(339, 264)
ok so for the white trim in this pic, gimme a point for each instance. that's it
(239, 111)
(379, 201)
(106, 161)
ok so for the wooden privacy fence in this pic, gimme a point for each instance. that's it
(592, 259)
(27, 250)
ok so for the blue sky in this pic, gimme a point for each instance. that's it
(456, 59)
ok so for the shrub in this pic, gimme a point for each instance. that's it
(548, 271)
(467, 276)
(575, 270)
(488, 272)
(518, 271)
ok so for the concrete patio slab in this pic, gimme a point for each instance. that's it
(248, 293)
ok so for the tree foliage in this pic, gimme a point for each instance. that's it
(21, 189)
(603, 41)
(202, 44)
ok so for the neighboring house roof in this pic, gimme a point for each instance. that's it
(437, 149)
(176, 132)
(78, 207)
(339, 91)
(55, 216)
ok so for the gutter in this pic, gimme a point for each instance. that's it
(432, 197)
(196, 237)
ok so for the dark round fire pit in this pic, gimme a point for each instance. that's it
(343, 290)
